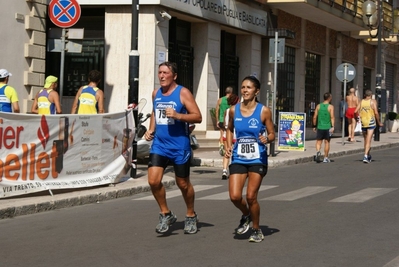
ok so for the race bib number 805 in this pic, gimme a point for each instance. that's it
(248, 148)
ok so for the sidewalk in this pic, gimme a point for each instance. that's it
(281, 158)
(43, 201)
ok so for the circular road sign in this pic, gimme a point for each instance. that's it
(345, 72)
(64, 13)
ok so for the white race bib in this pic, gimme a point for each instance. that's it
(248, 148)
(160, 114)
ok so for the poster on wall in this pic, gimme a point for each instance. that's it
(291, 131)
(39, 152)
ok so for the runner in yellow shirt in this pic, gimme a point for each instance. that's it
(89, 99)
(8, 95)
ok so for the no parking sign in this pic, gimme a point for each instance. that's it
(64, 13)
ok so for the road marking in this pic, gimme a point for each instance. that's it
(393, 263)
(300, 193)
(225, 195)
(363, 195)
(177, 192)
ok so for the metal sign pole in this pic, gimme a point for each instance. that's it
(345, 72)
(343, 106)
(61, 79)
(272, 145)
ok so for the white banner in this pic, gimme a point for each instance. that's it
(63, 151)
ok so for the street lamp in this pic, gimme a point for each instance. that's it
(373, 18)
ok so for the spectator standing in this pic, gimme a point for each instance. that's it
(323, 121)
(343, 106)
(174, 108)
(89, 99)
(8, 95)
(352, 103)
(47, 100)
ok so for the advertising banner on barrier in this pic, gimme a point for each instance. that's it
(291, 131)
(63, 151)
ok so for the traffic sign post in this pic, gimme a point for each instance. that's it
(276, 48)
(345, 73)
(64, 14)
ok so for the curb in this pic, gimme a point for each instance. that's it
(42, 203)
(305, 159)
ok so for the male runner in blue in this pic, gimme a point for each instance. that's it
(174, 108)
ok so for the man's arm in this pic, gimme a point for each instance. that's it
(316, 112)
(35, 108)
(15, 107)
(358, 107)
(374, 106)
(332, 117)
(55, 98)
(76, 101)
(13, 96)
(217, 111)
(193, 113)
(100, 100)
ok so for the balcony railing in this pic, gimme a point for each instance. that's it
(354, 7)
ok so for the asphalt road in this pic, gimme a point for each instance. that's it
(344, 213)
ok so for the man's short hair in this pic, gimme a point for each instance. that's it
(95, 76)
(229, 90)
(327, 95)
(368, 92)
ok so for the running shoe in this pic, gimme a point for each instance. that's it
(326, 160)
(165, 220)
(224, 174)
(318, 157)
(256, 236)
(221, 149)
(369, 157)
(244, 225)
(366, 159)
(190, 224)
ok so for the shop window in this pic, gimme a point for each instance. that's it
(181, 52)
(390, 84)
(229, 63)
(366, 80)
(312, 85)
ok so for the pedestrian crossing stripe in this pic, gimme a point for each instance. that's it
(225, 195)
(364, 195)
(356, 197)
(177, 192)
(300, 193)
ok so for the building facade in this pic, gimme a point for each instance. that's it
(215, 43)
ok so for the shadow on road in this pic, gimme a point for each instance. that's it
(266, 230)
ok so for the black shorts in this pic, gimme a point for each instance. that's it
(323, 135)
(181, 170)
(245, 168)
